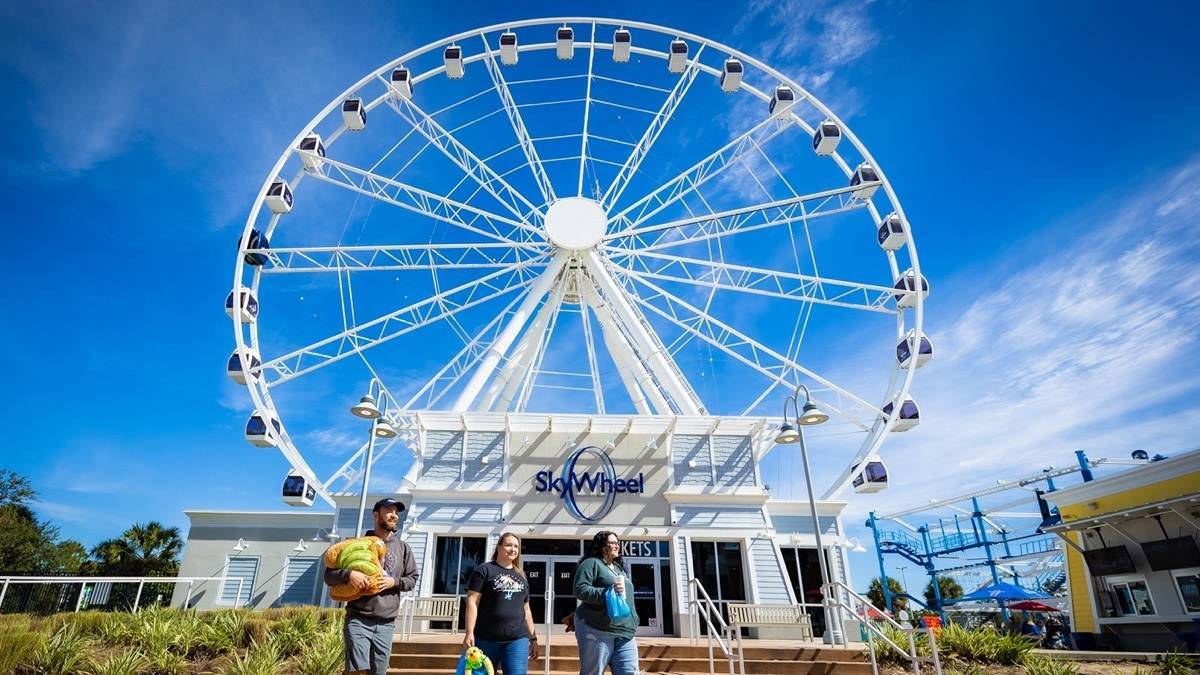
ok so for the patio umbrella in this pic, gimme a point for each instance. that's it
(1033, 606)
(1002, 592)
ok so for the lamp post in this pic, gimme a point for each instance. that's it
(810, 415)
(380, 428)
(903, 580)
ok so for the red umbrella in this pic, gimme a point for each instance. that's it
(1033, 606)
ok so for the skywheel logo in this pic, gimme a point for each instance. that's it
(572, 483)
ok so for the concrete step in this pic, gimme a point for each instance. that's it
(653, 651)
(444, 663)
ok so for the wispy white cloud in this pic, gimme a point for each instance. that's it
(1092, 346)
(58, 513)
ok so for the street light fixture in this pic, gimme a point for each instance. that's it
(809, 415)
(381, 427)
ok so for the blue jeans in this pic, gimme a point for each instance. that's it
(511, 657)
(598, 649)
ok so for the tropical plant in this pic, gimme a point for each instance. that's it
(947, 587)
(1176, 662)
(291, 633)
(221, 632)
(875, 594)
(124, 662)
(166, 662)
(325, 654)
(145, 549)
(66, 652)
(18, 648)
(1036, 664)
(260, 659)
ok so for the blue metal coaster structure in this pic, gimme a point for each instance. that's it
(963, 530)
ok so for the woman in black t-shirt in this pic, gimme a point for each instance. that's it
(498, 618)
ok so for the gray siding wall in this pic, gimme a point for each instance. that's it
(458, 512)
(418, 542)
(772, 586)
(733, 461)
(442, 462)
(720, 517)
(803, 524)
(484, 445)
(693, 448)
(682, 575)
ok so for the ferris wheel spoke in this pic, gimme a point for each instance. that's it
(587, 107)
(518, 124)
(750, 352)
(463, 158)
(462, 363)
(759, 281)
(395, 258)
(657, 123)
(648, 345)
(360, 338)
(421, 201)
(698, 174)
(742, 219)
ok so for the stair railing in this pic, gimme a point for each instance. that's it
(873, 631)
(700, 600)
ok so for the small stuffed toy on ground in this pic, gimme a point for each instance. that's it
(474, 662)
(360, 554)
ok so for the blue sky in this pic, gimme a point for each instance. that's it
(1047, 156)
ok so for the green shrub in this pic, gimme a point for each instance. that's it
(291, 632)
(18, 647)
(957, 667)
(122, 662)
(325, 654)
(260, 659)
(1010, 648)
(1176, 663)
(255, 631)
(66, 652)
(118, 630)
(166, 662)
(221, 632)
(1036, 664)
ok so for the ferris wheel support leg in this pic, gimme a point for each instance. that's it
(657, 358)
(506, 383)
(500, 346)
(622, 355)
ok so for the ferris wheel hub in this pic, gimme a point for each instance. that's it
(575, 223)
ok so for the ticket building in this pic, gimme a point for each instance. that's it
(685, 495)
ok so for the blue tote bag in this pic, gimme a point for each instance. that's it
(616, 605)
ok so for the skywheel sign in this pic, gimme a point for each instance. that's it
(573, 483)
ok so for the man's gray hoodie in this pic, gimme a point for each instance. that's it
(385, 605)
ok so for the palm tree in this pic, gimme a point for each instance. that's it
(148, 549)
(948, 589)
(153, 548)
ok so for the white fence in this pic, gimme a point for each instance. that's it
(48, 595)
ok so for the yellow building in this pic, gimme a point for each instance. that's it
(1133, 562)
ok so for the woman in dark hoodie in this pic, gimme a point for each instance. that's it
(603, 641)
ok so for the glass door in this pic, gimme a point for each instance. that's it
(647, 601)
(560, 571)
(535, 574)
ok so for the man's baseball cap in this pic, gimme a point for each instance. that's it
(388, 501)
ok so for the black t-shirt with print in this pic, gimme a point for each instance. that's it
(504, 593)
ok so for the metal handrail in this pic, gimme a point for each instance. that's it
(5, 582)
(911, 654)
(711, 609)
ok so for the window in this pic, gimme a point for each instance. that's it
(244, 568)
(718, 565)
(453, 560)
(1187, 582)
(299, 581)
(804, 573)
(1133, 597)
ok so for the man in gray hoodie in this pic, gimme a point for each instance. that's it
(371, 619)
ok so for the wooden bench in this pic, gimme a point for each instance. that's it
(763, 616)
(443, 608)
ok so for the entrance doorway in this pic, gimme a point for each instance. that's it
(559, 572)
(647, 601)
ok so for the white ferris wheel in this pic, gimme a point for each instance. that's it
(575, 215)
